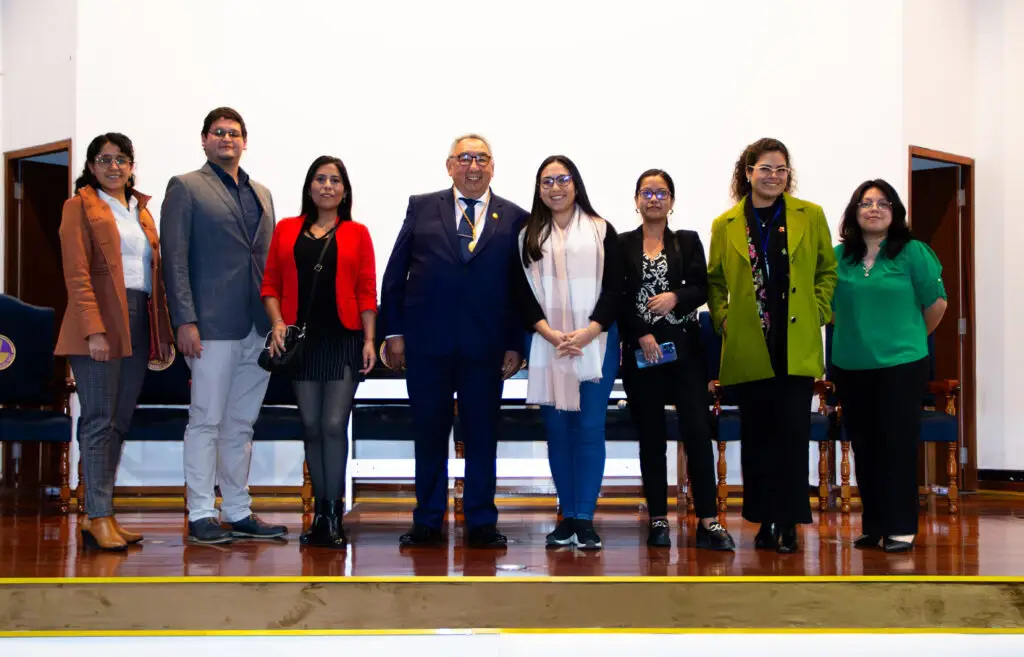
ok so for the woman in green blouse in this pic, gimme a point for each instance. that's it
(889, 298)
(771, 273)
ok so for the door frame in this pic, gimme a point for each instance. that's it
(968, 386)
(12, 227)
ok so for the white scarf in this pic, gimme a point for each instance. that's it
(566, 282)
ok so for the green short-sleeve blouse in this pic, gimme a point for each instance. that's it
(879, 319)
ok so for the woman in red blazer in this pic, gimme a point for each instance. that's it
(340, 322)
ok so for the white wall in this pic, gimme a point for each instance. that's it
(39, 42)
(682, 86)
(999, 92)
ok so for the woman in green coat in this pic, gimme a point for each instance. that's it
(771, 273)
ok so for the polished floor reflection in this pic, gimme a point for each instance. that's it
(987, 538)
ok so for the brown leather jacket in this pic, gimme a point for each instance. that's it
(97, 301)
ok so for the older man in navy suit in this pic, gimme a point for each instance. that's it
(445, 312)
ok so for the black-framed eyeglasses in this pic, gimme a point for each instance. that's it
(648, 194)
(880, 204)
(221, 133)
(106, 160)
(563, 180)
(466, 159)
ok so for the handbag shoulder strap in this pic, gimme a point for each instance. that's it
(316, 274)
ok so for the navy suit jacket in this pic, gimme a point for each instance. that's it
(443, 306)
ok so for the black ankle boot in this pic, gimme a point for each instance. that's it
(767, 537)
(788, 543)
(317, 534)
(335, 533)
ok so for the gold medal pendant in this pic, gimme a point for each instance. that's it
(472, 246)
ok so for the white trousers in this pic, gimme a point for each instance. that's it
(228, 387)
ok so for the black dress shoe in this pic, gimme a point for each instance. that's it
(892, 545)
(317, 533)
(486, 536)
(658, 534)
(714, 537)
(787, 540)
(421, 535)
(867, 541)
(767, 537)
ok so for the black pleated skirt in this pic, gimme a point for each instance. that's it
(328, 353)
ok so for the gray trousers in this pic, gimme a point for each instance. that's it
(107, 393)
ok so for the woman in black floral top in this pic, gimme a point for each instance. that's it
(666, 282)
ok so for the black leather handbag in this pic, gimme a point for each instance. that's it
(289, 362)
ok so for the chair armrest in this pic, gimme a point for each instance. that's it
(945, 387)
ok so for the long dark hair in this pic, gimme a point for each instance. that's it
(95, 146)
(852, 237)
(538, 225)
(751, 154)
(309, 209)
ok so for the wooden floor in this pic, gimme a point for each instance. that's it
(987, 539)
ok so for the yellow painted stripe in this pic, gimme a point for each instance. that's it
(525, 579)
(539, 630)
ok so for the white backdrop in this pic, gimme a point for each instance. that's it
(618, 88)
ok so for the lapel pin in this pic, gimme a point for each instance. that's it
(782, 229)
(494, 216)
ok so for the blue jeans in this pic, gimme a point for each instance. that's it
(576, 440)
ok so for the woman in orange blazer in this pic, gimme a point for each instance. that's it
(340, 321)
(116, 319)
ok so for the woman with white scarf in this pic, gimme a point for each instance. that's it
(568, 282)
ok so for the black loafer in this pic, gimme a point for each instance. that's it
(892, 545)
(487, 537)
(658, 534)
(421, 535)
(714, 537)
(867, 541)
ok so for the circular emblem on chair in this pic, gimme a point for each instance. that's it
(157, 365)
(7, 352)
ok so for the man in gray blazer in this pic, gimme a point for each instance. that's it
(215, 229)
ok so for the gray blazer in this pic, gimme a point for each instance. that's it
(212, 269)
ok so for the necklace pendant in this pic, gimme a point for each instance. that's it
(472, 246)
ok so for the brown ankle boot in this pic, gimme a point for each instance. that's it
(101, 533)
(131, 538)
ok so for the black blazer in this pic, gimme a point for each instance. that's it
(687, 275)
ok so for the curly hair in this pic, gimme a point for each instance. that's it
(751, 154)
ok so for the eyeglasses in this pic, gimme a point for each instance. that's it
(648, 194)
(881, 205)
(106, 160)
(466, 159)
(766, 170)
(563, 180)
(323, 180)
(221, 133)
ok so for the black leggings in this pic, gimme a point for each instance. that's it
(325, 407)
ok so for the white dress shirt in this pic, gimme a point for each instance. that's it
(136, 252)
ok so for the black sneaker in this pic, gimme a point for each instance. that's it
(207, 531)
(253, 527)
(714, 538)
(564, 534)
(586, 537)
(658, 534)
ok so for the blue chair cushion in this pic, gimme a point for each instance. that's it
(382, 422)
(728, 426)
(26, 353)
(820, 425)
(161, 424)
(278, 423)
(937, 427)
(31, 425)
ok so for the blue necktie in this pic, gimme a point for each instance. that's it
(465, 232)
